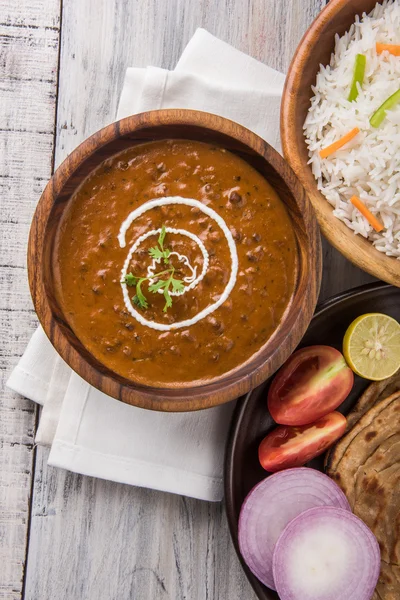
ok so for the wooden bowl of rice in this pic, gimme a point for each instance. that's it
(315, 49)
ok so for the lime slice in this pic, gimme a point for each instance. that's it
(371, 346)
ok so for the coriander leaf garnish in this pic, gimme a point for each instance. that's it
(177, 285)
(141, 298)
(168, 299)
(130, 280)
(164, 284)
(161, 237)
(154, 287)
(136, 300)
(157, 253)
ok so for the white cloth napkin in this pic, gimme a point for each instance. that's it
(91, 433)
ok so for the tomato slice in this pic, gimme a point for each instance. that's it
(312, 383)
(287, 447)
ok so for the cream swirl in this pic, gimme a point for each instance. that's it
(232, 250)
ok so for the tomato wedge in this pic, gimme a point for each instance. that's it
(287, 447)
(312, 383)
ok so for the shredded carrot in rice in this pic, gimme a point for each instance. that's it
(339, 143)
(391, 48)
(372, 220)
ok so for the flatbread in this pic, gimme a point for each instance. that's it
(374, 393)
(366, 465)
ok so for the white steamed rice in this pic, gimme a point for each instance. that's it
(369, 165)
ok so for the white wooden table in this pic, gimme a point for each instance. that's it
(64, 536)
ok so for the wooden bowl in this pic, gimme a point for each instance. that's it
(169, 124)
(314, 49)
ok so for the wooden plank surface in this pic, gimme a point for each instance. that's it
(29, 34)
(91, 539)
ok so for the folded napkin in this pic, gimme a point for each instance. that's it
(91, 433)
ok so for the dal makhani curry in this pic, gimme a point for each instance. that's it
(174, 262)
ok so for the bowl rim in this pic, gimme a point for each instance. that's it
(354, 247)
(188, 398)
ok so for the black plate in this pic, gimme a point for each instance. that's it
(251, 420)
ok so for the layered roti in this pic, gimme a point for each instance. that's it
(366, 465)
(374, 393)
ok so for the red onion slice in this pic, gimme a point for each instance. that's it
(272, 504)
(326, 553)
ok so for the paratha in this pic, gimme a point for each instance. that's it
(366, 465)
(374, 393)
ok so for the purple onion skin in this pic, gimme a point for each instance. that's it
(276, 501)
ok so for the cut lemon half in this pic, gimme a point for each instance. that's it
(371, 346)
